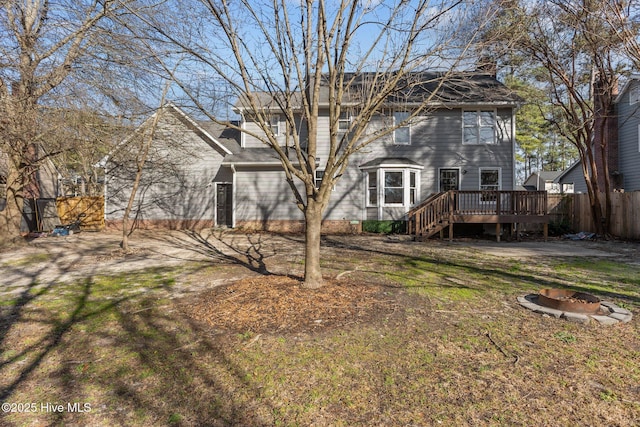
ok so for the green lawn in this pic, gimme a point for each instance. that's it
(455, 349)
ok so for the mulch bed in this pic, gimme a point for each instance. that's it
(279, 304)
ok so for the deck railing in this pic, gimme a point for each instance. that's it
(442, 209)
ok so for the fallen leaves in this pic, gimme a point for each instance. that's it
(269, 304)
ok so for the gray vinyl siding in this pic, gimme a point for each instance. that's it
(629, 140)
(263, 195)
(250, 141)
(576, 177)
(177, 180)
(436, 142)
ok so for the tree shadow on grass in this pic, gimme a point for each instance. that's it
(492, 267)
(132, 357)
(250, 251)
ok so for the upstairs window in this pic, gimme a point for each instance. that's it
(479, 127)
(274, 125)
(344, 122)
(402, 134)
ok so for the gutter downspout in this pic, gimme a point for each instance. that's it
(233, 196)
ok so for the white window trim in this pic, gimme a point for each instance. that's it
(344, 118)
(274, 122)
(407, 125)
(478, 125)
(317, 181)
(367, 188)
(480, 170)
(406, 189)
(638, 138)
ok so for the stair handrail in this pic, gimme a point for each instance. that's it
(429, 214)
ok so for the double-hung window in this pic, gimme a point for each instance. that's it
(344, 122)
(274, 125)
(393, 188)
(402, 133)
(413, 188)
(489, 181)
(372, 188)
(318, 177)
(478, 127)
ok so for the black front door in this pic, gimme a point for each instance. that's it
(224, 205)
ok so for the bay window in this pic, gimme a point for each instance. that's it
(393, 187)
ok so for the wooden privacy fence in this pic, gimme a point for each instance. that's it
(90, 210)
(625, 211)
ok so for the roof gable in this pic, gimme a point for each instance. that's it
(633, 79)
(225, 148)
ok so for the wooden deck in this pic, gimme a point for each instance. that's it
(443, 210)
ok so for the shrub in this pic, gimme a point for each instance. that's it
(384, 227)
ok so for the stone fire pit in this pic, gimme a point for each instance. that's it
(575, 306)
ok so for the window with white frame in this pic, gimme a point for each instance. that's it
(344, 122)
(413, 187)
(372, 188)
(402, 134)
(393, 187)
(489, 181)
(274, 125)
(318, 177)
(478, 127)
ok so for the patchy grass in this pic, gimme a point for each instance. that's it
(30, 260)
(437, 339)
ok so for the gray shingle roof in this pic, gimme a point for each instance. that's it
(444, 88)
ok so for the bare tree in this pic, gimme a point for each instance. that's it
(145, 140)
(573, 49)
(294, 59)
(52, 52)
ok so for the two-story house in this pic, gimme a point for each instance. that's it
(464, 140)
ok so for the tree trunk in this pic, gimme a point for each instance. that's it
(124, 244)
(313, 224)
(11, 216)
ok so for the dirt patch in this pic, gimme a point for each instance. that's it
(278, 304)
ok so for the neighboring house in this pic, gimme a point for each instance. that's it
(546, 181)
(464, 142)
(623, 147)
(627, 151)
(40, 190)
(573, 178)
